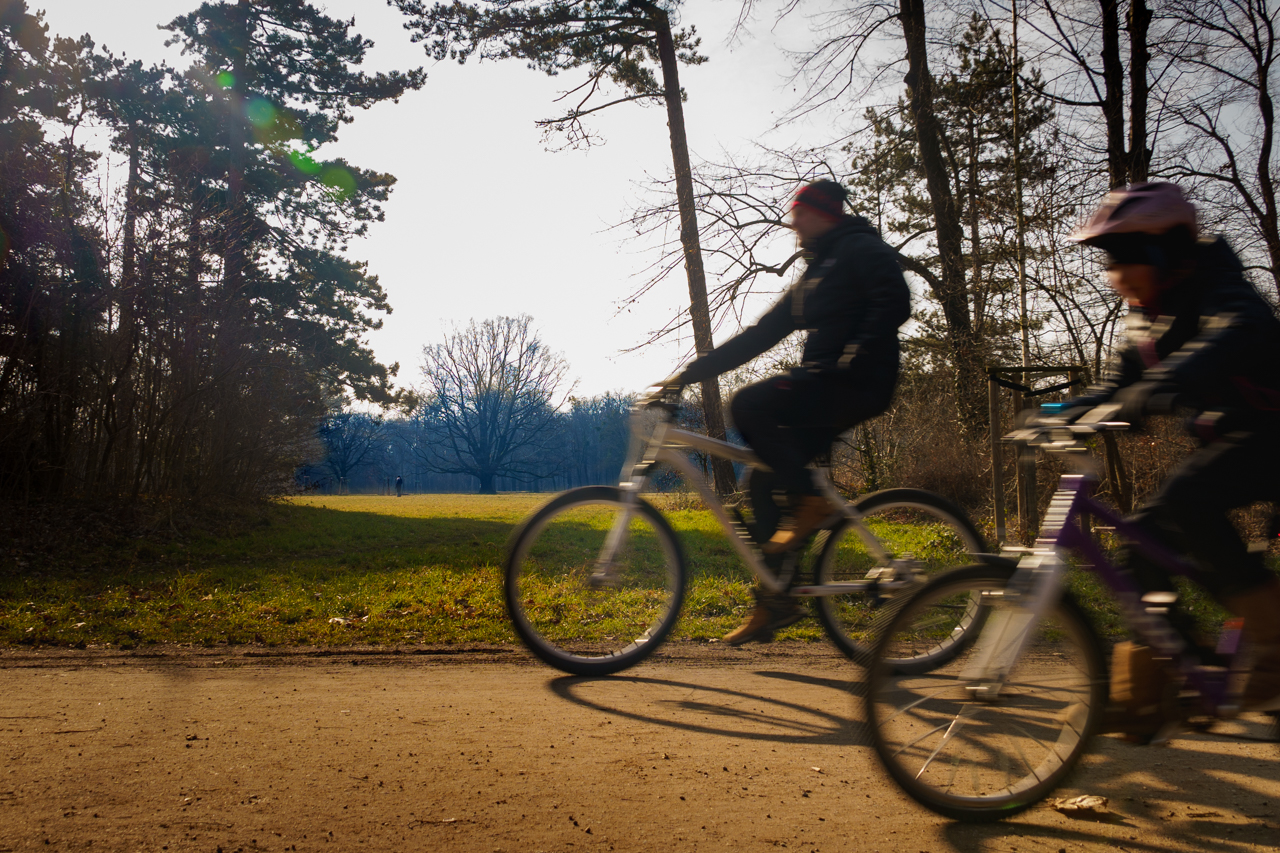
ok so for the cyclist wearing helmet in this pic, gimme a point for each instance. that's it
(851, 299)
(1200, 336)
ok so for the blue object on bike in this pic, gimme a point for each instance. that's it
(1052, 408)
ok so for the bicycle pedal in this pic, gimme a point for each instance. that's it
(604, 579)
(743, 527)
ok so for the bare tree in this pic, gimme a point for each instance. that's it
(616, 43)
(490, 401)
(1231, 153)
(351, 441)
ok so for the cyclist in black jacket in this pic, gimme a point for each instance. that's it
(851, 299)
(1200, 336)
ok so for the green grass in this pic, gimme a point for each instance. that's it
(323, 571)
(332, 571)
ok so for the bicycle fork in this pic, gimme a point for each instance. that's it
(605, 574)
(1017, 608)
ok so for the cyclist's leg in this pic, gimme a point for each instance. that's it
(765, 413)
(762, 487)
(789, 420)
(1191, 512)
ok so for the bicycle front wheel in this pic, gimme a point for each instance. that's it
(588, 628)
(969, 750)
(914, 527)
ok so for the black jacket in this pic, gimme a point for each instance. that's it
(1211, 337)
(851, 299)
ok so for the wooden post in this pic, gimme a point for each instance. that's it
(997, 457)
(1019, 490)
(1030, 494)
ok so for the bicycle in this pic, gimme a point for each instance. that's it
(595, 579)
(995, 729)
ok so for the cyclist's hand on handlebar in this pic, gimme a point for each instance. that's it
(1053, 414)
(665, 393)
(1138, 401)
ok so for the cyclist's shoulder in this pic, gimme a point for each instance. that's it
(1221, 283)
(857, 233)
(859, 250)
(1217, 266)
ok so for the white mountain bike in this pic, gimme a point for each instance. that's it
(595, 578)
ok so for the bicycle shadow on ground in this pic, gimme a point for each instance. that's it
(741, 714)
(1203, 792)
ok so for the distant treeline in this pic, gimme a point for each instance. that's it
(364, 454)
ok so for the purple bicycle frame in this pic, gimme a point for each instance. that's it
(1151, 628)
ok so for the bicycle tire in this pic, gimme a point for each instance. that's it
(562, 619)
(972, 759)
(907, 522)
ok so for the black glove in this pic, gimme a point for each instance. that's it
(1053, 414)
(1142, 399)
(664, 393)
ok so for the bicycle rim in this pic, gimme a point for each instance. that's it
(560, 615)
(920, 528)
(976, 759)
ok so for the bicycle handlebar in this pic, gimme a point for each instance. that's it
(1062, 435)
(664, 398)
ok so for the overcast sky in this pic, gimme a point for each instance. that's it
(485, 221)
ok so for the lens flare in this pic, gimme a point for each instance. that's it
(303, 163)
(226, 79)
(261, 113)
(340, 180)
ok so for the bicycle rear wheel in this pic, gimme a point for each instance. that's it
(565, 620)
(912, 525)
(980, 755)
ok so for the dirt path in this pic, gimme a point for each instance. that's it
(734, 752)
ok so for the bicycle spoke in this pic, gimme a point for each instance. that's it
(989, 752)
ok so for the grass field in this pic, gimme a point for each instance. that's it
(327, 571)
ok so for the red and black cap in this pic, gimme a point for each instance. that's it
(824, 196)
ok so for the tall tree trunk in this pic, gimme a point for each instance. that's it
(1113, 94)
(127, 327)
(1024, 321)
(236, 230)
(1125, 163)
(951, 292)
(1139, 58)
(699, 310)
(975, 234)
(1269, 221)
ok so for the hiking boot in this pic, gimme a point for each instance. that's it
(772, 613)
(1138, 681)
(813, 513)
(1260, 646)
(1139, 686)
(1138, 729)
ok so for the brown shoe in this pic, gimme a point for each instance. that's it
(1138, 680)
(813, 513)
(1139, 684)
(772, 613)
(1260, 645)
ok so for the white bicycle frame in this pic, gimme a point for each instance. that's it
(1041, 573)
(671, 446)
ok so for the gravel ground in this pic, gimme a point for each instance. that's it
(478, 749)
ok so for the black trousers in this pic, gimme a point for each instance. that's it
(790, 420)
(1190, 512)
